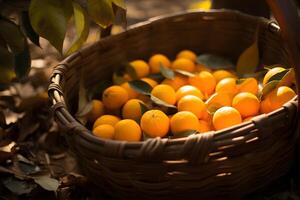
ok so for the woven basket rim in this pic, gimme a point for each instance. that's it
(83, 131)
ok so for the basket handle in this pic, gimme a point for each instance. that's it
(286, 13)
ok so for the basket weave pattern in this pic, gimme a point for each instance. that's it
(226, 163)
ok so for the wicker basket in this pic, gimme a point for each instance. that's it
(219, 164)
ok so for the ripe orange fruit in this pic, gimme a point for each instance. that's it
(201, 67)
(280, 96)
(141, 68)
(188, 54)
(184, 121)
(226, 117)
(132, 94)
(265, 105)
(219, 99)
(249, 85)
(128, 130)
(183, 64)
(114, 97)
(127, 77)
(193, 104)
(204, 126)
(205, 82)
(96, 111)
(132, 109)
(104, 131)
(165, 93)
(227, 85)
(106, 119)
(150, 81)
(221, 74)
(156, 61)
(246, 103)
(177, 82)
(271, 73)
(247, 119)
(188, 90)
(155, 123)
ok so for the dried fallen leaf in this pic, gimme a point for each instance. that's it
(47, 183)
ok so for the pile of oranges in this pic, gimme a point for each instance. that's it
(200, 99)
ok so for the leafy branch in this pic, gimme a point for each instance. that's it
(49, 19)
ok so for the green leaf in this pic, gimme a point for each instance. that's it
(140, 86)
(22, 62)
(240, 81)
(131, 71)
(184, 73)
(278, 76)
(28, 30)
(47, 183)
(12, 35)
(249, 59)
(49, 19)
(268, 88)
(82, 27)
(288, 79)
(171, 108)
(101, 12)
(6, 58)
(120, 3)
(144, 108)
(158, 77)
(167, 72)
(214, 62)
(212, 108)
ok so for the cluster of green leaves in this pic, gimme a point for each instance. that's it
(49, 19)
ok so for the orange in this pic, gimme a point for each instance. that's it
(193, 104)
(177, 82)
(132, 94)
(127, 77)
(165, 93)
(188, 54)
(279, 96)
(132, 109)
(150, 81)
(106, 119)
(141, 68)
(221, 74)
(184, 64)
(205, 82)
(249, 85)
(226, 117)
(227, 85)
(156, 61)
(188, 90)
(155, 123)
(128, 130)
(246, 103)
(247, 119)
(184, 121)
(201, 67)
(114, 97)
(204, 126)
(96, 111)
(104, 131)
(271, 73)
(219, 99)
(265, 105)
